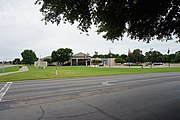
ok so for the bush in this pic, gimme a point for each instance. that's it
(119, 60)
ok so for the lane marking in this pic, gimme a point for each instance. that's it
(107, 83)
(5, 89)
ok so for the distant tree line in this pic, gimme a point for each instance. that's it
(63, 55)
(137, 56)
(60, 56)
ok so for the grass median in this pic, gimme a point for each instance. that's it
(9, 69)
(78, 71)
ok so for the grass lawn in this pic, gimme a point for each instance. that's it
(9, 69)
(78, 71)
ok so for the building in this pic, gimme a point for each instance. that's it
(103, 61)
(80, 59)
(40, 64)
(48, 59)
(108, 61)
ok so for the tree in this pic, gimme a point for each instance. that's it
(154, 56)
(141, 19)
(129, 58)
(98, 56)
(160, 58)
(111, 55)
(137, 56)
(54, 56)
(119, 60)
(61, 55)
(177, 57)
(48, 60)
(169, 58)
(123, 56)
(29, 57)
(172, 57)
(166, 58)
(114, 55)
(17, 61)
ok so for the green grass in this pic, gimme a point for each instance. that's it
(78, 71)
(9, 69)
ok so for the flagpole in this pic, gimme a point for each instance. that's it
(129, 52)
(151, 49)
(110, 55)
(109, 62)
(169, 58)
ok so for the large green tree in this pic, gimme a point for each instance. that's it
(119, 60)
(140, 19)
(54, 56)
(137, 56)
(169, 58)
(154, 56)
(61, 55)
(29, 57)
(17, 61)
(177, 57)
(123, 56)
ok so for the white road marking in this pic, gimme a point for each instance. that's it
(106, 83)
(5, 89)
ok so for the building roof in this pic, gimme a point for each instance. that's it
(47, 57)
(81, 55)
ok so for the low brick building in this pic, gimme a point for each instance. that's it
(80, 59)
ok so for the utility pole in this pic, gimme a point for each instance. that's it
(3, 66)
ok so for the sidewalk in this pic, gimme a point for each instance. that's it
(23, 69)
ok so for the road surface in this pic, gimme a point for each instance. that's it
(154, 96)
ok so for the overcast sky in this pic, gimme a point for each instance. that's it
(21, 28)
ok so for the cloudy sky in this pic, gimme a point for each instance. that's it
(21, 28)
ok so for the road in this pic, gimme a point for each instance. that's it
(153, 96)
(6, 66)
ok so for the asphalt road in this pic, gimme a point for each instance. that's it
(154, 96)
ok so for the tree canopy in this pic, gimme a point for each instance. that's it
(140, 19)
(17, 61)
(29, 57)
(154, 56)
(177, 56)
(61, 55)
(119, 60)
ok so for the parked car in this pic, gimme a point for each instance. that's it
(101, 64)
(157, 63)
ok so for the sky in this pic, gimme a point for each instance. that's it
(21, 28)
